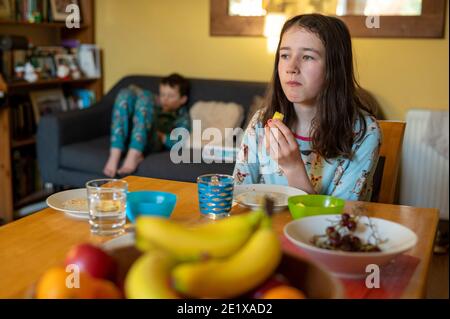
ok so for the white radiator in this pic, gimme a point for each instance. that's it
(424, 170)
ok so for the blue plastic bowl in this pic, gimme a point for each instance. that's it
(150, 203)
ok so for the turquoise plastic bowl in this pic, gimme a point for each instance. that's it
(310, 205)
(150, 203)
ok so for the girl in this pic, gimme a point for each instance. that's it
(328, 141)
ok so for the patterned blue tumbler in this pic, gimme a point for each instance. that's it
(215, 195)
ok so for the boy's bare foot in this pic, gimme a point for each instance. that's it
(132, 160)
(110, 168)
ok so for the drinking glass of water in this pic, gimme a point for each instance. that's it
(107, 200)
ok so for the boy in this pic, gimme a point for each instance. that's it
(146, 122)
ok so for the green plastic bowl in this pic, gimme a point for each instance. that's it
(310, 205)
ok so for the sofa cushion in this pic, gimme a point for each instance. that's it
(89, 156)
(159, 165)
(220, 115)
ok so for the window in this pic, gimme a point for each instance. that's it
(413, 18)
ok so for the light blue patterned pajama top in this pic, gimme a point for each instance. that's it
(340, 177)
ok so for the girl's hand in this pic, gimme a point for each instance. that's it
(282, 146)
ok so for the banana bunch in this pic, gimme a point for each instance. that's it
(234, 275)
(148, 277)
(223, 259)
(215, 240)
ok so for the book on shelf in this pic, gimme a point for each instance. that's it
(23, 124)
(47, 102)
(54, 101)
(84, 98)
(32, 11)
(40, 11)
(26, 176)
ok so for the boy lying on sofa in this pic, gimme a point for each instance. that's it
(142, 123)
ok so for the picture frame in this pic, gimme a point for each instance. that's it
(66, 59)
(45, 66)
(58, 9)
(69, 62)
(430, 24)
(47, 102)
(49, 65)
(89, 60)
(5, 9)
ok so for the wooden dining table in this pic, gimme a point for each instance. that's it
(31, 245)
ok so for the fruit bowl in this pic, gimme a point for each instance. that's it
(150, 203)
(237, 257)
(309, 205)
(302, 274)
(396, 239)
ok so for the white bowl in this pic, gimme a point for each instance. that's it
(351, 264)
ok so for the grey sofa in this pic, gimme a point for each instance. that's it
(72, 147)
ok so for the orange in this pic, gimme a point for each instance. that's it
(284, 292)
(106, 290)
(52, 285)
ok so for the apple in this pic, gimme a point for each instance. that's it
(93, 260)
(274, 281)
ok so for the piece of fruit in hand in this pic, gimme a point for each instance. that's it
(278, 116)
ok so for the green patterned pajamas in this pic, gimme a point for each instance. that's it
(132, 119)
(136, 118)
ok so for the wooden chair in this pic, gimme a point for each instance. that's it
(386, 174)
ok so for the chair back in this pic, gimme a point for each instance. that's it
(386, 174)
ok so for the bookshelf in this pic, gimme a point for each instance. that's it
(59, 25)
(16, 86)
(23, 142)
(39, 34)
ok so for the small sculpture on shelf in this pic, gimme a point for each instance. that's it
(67, 67)
(63, 71)
(19, 71)
(30, 73)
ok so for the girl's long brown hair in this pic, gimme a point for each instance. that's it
(339, 105)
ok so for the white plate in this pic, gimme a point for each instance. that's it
(250, 195)
(60, 201)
